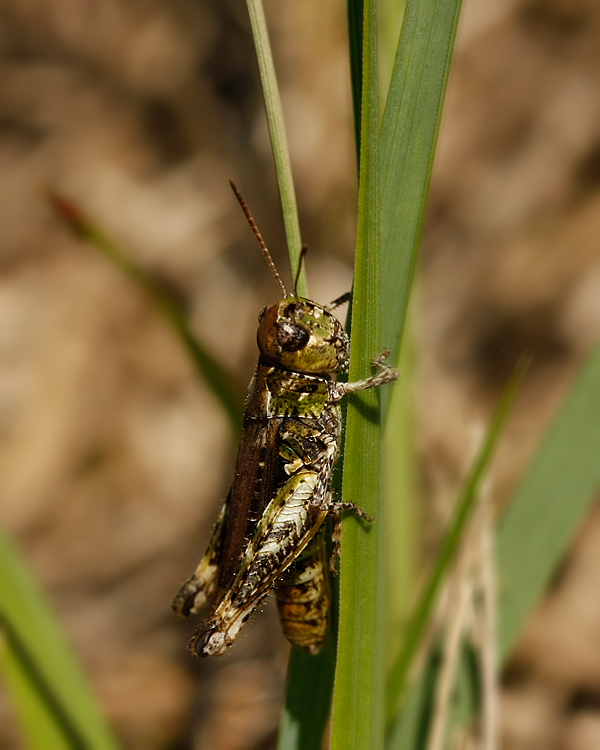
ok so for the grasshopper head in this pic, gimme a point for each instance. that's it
(301, 335)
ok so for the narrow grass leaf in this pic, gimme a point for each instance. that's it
(308, 698)
(50, 693)
(467, 696)
(410, 729)
(355, 9)
(40, 725)
(310, 681)
(278, 139)
(541, 520)
(209, 368)
(548, 507)
(422, 616)
(357, 718)
(549, 504)
(43, 720)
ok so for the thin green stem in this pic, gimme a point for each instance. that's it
(210, 369)
(358, 719)
(422, 616)
(278, 138)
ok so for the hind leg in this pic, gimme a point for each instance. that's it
(199, 587)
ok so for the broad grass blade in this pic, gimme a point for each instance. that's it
(308, 698)
(409, 130)
(549, 504)
(50, 693)
(542, 518)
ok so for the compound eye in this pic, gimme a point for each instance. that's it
(261, 315)
(292, 337)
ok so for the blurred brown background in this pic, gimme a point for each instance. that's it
(114, 457)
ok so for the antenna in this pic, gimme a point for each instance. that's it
(258, 236)
(300, 263)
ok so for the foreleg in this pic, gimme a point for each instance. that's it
(385, 374)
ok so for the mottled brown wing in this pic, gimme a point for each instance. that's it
(254, 486)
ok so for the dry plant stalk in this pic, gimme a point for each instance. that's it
(470, 612)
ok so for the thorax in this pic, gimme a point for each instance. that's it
(276, 392)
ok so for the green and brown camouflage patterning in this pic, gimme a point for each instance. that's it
(266, 534)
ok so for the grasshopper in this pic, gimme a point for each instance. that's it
(270, 531)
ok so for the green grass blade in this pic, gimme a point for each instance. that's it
(278, 138)
(549, 504)
(558, 488)
(310, 679)
(391, 13)
(450, 545)
(408, 137)
(308, 698)
(209, 368)
(546, 510)
(44, 721)
(355, 10)
(428, 56)
(402, 498)
(409, 132)
(51, 695)
(310, 685)
(357, 717)
(410, 728)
